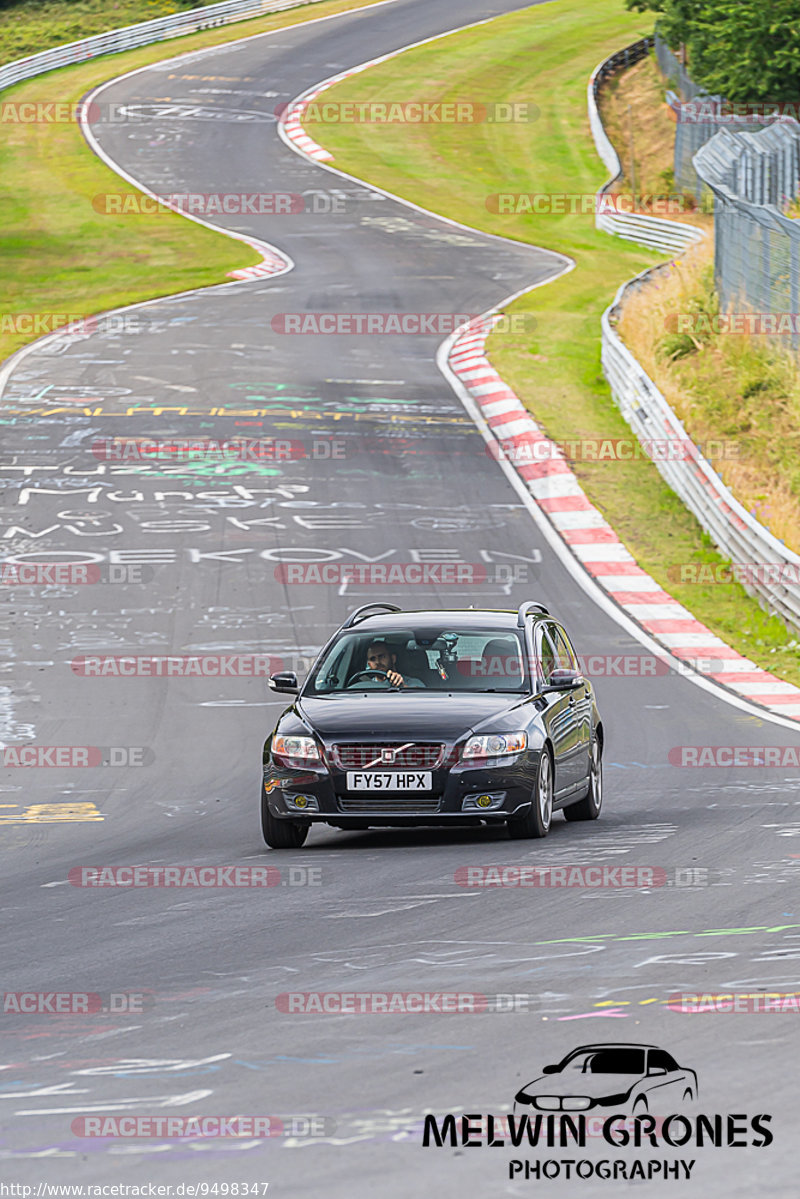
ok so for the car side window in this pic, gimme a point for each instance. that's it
(659, 1058)
(564, 651)
(545, 655)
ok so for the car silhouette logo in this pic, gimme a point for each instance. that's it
(621, 1077)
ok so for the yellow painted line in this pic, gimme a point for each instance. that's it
(55, 813)
(643, 1001)
(614, 1003)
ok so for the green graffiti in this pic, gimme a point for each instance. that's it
(208, 469)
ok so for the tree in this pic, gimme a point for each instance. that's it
(740, 49)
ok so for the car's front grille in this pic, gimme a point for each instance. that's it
(384, 805)
(557, 1103)
(404, 755)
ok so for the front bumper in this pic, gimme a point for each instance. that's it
(508, 781)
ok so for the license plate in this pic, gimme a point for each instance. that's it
(389, 780)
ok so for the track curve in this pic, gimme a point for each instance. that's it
(414, 483)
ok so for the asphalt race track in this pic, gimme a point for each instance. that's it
(386, 466)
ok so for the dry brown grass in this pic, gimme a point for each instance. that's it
(735, 388)
(641, 128)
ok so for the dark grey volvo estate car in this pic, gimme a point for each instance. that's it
(433, 718)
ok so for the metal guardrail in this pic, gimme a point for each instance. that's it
(737, 534)
(142, 34)
(655, 232)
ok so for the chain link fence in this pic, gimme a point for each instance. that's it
(698, 117)
(753, 178)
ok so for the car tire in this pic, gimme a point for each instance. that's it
(281, 834)
(640, 1106)
(588, 808)
(688, 1097)
(537, 820)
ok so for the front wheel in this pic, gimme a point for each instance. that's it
(281, 834)
(537, 820)
(589, 807)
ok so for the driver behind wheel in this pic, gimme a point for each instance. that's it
(380, 656)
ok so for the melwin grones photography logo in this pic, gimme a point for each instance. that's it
(620, 1095)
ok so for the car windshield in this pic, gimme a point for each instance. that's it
(430, 659)
(607, 1061)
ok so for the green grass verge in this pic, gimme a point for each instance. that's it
(545, 54)
(28, 26)
(57, 254)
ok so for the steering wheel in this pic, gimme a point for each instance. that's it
(370, 674)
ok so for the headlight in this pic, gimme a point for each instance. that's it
(294, 751)
(614, 1100)
(576, 1103)
(495, 745)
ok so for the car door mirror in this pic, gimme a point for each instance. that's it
(657, 1070)
(564, 680)
(550, 1070)
(284, 681)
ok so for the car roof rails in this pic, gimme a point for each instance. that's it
(527, 608)
(365, 609)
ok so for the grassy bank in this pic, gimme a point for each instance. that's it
(545, 55)
(28, 26)
(731, 386)
(57, 254)
(744, 389)
(641, 125)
